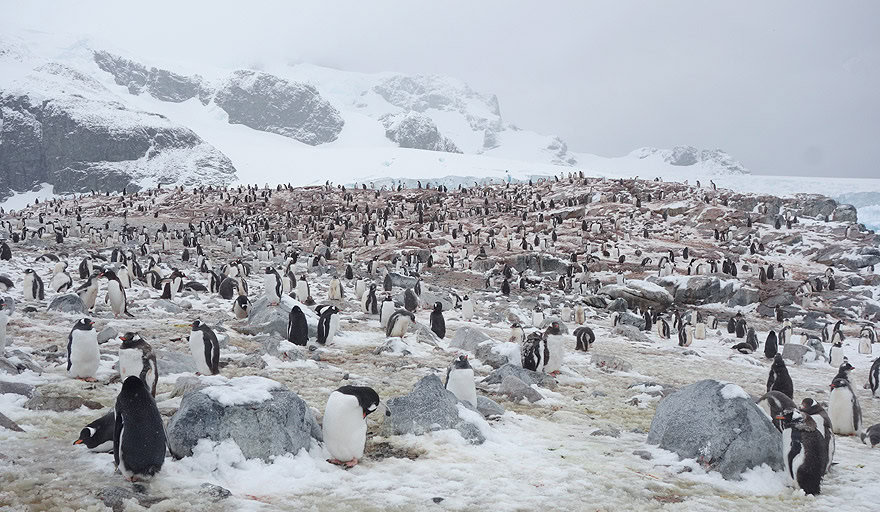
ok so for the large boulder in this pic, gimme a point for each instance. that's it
(497, 354)
(743, 297)
(429, 407)
(159, 83)
(698, 289)
(417, 131)
(69, 303)
(631, 332)
(263, 418)
(538, 263)
(13, 426)
(836, 255)
(516, 390)
(845, 213)
(719, 425)
(641, 294)
(170, 362)
(516, 370)
(468, 338)
(272, 320)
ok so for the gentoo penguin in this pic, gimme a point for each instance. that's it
(360, 287)
(785, 333)
(505, 287)
(88, 292)
(399, 323)
(865, 342)
(533, 350)
(386, 311)
(438, 324)
(460, 380)
(139, 436)
(335, 290)
(33, 286)
(663, 328)
(740, 328)
(205, 349)
(779, 379)
(844, 370)
(844, 409)
(804, 452)
(517, 334)
(774, 403)
(370, 303)
(580, 316)
(555, 351)
(272, 287)
(584, 338)
(328, 323)
(115, 294)
(228, 287)
(700, 331)
(82, 350)
(410, 300)
(874, 377)
(6, 283)
(5, 252)
(537, 317)
(302, 289)
(871, 435)
(467, 309)
(685, 335)
(835, 354)
(344, 424)
(61, 281)
(731, 325)
(823, 424)
(240, 307)
(98, 435)
(136, 358)
(770, 347)
(297, 328)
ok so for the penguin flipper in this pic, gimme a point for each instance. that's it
(117, 439)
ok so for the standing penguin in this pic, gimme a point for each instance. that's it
(532, 351)
(370, 303)
(663, 328)
(98, 435)
(537, 317)
(505, 287)
(82, 350)
(240, 307)
(344, 425)
(770, 347)
(386, 311)
(871, 435)
(136, 358)
(823, 424)
(844, 409)
(139, 437)
(779, 379)
(774, 403)
(328, 323)
(740, 328)
(517, 334)
(205, 349)
(874, 377)
(467, 309)
(399, 323)
(88, 292)
(272, 286)
(584, 338)
(61, 280)
(335, 290)
(115, 294)
(297, 327)
(410, 300)
(303, 292)
(33, 286)
(580, 316)
(438, 324)
(804, 453)
(360, 287)
(460, 380)
(835, 354)
(555, 351)
(866, 339)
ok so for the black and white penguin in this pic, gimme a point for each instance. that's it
(438, 323)
(555, 349)
(866, 340)
(823, 423)
(4, 320)
(83, 355)
(731, 325)
(328, 324)
(505, 287)
(240, 307)
(303, 290)
(844, 409)
(467, 309)
(88, 292)
(386, 310)
(61, 280)
(770, 346)
(804, 452)
(871, 435)
(205, 349)
(136, 358)
(785, 333)
(584, 338)
(98, 435)
(874, 377)
(6, 283)
(33, 286)
(370, 304)
(5, 252)
(297, 327)
(335, 292)
(533, 350)
(741, 328)
(344, 425)
(835, 353)
(399, 323)
(537, 317)
(774, 403)
(272, 286)
(139, 436)
(685, 335)
(115, 294)
(460, 380)
(779, 379)
(410, 300)
(517, 334)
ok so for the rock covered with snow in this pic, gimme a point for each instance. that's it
(638, 293)
(160, 83)
(527, 376)
(272, 320)
(697, 289)
(68, 303)
(262, 417)
(719, 425)
(515, 389)
(429, 407)
(713, 161)
(468, 338)
(631, 332)
(417, 131)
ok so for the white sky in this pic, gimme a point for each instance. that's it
(787, 87)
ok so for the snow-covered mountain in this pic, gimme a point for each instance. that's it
(80, 115)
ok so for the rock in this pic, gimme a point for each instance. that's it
(187, 305)
(424, 334)
(159, 83)
(497, 355)
(115, 497)
(252, 361)
(60, 403)
(630, 319)
(187, 384)
(70, 303)
(17, 388)
(719, 425)
(427, 408)
(697, 289)
(630, 332)
(845, 213)
(639, 294)
(598, 394)
(527, 376)
(606, 432)
(167, 306)
(213, 492)
(782, 299)
(515, 389)
(8, 367)
(618, 305)
(467, 338)
(643, 454)
(107, 333)
(170, 363)
(402, 281)
(538, 263)
(282, 349)
(611, 362)
(595, 301)
(17, 362)
(854, 259)
(797, 353)
(550, 319)
(816, 206)
(280, 423)
(744, 297)
(8, 424)
(272, 104)
(417, 131)
(266, 319)
(488, 407)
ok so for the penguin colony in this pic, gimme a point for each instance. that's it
(542, 257)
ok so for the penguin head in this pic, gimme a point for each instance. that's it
(554, 329)
(461, 362)
(87, 437)
(810, 406)
(846, 367)
(130, 339)
(778, 362)
(270, 270)
(84, 324)
(196, 325)
(790, 416)
(367, 397)
(438, 307)
(839, 382)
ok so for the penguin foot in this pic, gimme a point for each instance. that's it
(89, 379)
(352, 463)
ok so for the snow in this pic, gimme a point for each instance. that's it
(241, 390)
(731, 391)
(19, 200)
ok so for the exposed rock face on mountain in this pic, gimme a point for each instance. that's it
(161, 84)
(685, 156)
(417, 131)
(272, 104)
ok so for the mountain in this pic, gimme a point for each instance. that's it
(79, 115)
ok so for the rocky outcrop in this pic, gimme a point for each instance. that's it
(697, 289)
(416, 131)
(641, 294)
(853, 259)
(160, 83)
(266, 102)
(427, 408)
(713, 160)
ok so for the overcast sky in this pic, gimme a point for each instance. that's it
(787, 87)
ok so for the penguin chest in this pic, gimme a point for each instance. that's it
(387, 310)
(117, 297)
(461, 383)
(197, 347)
(836, 356)
(401, 325)
(131, 363)
(792, 454)
(556, 349)
(302, 291)
(269, 283)
(344, 427)
(84, 354)
(840, 410)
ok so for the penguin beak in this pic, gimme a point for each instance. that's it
(78, 441)
(779, 417)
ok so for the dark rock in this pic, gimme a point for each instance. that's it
(213, 492)
(8, 424)
(595, 301)
(427, 408)
(174, 362)
(468, 338)
(488, 407)
(797, 353)
(607, 432)
(643, 454)
(527, 376)
(107, 333)
(417, 131)
(631, 332)
(272, 320)
(845, 213)
(630, 319)
(639, 294)
(60, 403)
(744, 297)
(159, 83)
(515, 389)
(619, 305)
(487, 352)
(17, 388)
(17, 362)
(70, 303)
(116, 496)
(252, 361)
